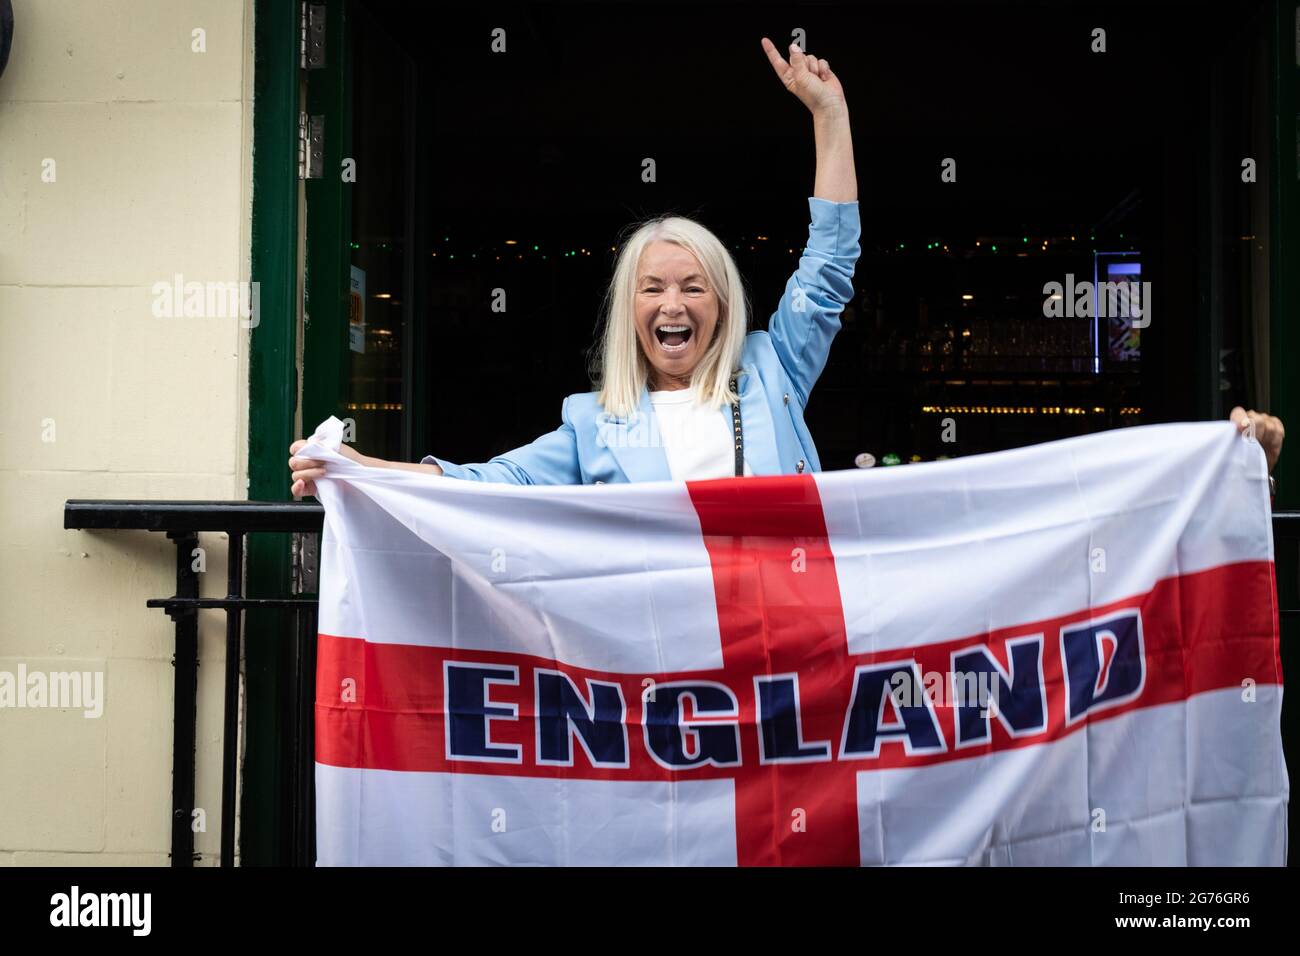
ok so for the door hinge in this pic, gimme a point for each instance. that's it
(305, 566)
(311, 146)
(312, 36)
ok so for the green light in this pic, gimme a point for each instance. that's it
(995, 248)
(1024, 239)
(535, 248)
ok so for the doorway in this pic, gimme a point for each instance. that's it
(476, 170)
(497, 156)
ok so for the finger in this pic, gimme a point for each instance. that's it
(298, 463)
(798, 62)
(1239, 417)
(773, 54)
(309, 474)
(293, 449)
(774, 57)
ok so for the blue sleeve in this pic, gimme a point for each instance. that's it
(550, 460)
(808, 316)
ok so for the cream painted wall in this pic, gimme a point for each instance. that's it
(151, 143)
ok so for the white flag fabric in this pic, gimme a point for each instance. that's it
(1061, 654)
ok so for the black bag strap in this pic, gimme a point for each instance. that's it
(735, 423)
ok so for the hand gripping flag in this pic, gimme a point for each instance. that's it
(1062, 654)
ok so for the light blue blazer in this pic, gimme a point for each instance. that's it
(779, 368)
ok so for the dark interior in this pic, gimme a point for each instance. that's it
(518, 171)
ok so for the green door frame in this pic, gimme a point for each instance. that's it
(273, 381)
(1284, 329)
(326, 360)
(272, 398)
(1284, 237)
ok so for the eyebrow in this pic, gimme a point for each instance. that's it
(693, 275)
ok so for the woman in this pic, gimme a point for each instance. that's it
(685, 393)
(680, 381)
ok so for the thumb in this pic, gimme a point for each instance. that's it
(797, 59)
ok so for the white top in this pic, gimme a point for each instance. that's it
(698, 441)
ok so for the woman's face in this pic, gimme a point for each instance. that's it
(676, 313)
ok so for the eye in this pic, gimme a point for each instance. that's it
(694, 288)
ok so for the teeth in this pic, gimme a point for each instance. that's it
(673, 328)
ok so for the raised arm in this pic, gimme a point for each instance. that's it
(808, 316)
(816, 87)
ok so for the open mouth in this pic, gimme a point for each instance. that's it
(673, 338)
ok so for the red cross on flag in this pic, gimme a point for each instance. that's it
(1062, 654)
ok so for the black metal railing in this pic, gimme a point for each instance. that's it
(182, 521)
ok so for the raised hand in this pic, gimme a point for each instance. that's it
(808, 78)
(1265, 429)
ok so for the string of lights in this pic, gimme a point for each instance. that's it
(1020, 246)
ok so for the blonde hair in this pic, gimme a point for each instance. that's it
(621, 369)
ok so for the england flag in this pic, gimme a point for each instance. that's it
(1065, 654)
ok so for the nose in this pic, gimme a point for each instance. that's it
(672, 302)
